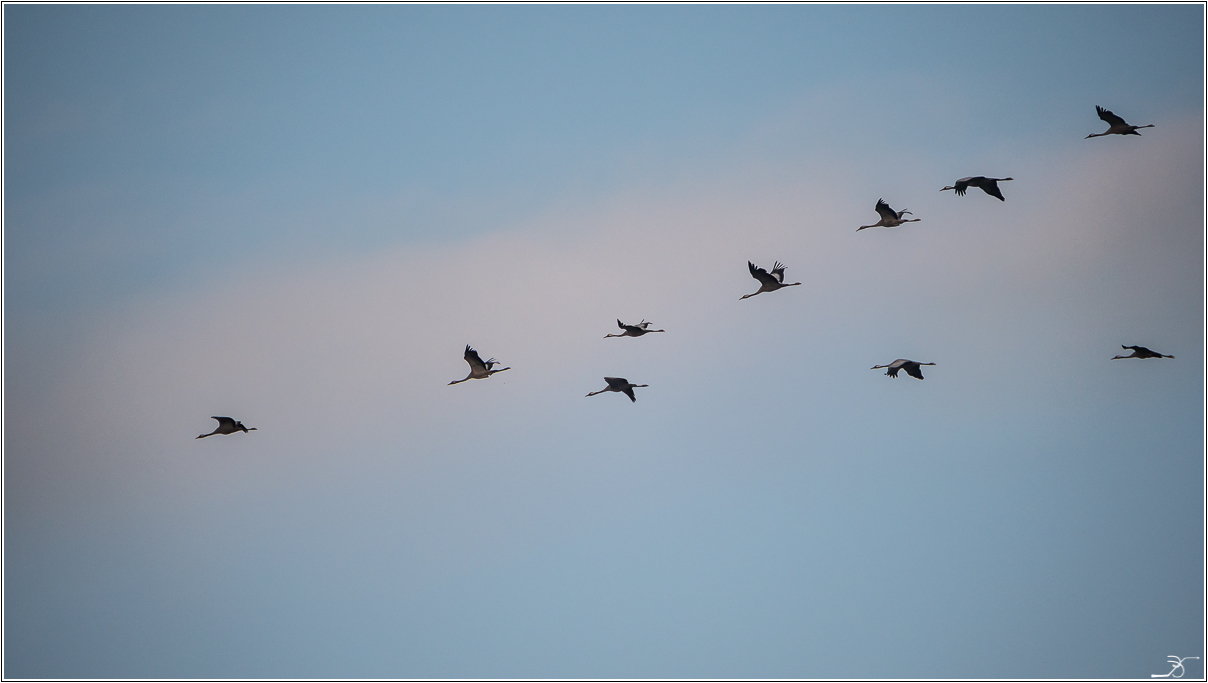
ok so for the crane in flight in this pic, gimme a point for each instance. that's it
(889, 217)
(478, 368)
(621, 385)
(227, 425)
(989, 185)
(768, 282)
(910, 366)
(1116, 125)
(633, 330)
(1140, 352)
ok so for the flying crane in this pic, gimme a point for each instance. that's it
(1116, 125)
(768, 282)
(227, 425)
(889, 217)
(910, 366)
(989, 185)
(479, 369)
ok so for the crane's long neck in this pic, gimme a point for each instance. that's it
(459, 381)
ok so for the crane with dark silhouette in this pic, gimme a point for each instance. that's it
(1115, 125)
(889, 217)
(479, 369)
(621, 385)
(988, 185)
(227, 425)
(633, 330)
(910, 366)
(768, 282)
(1140, 352)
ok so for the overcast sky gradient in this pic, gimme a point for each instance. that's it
(299, 215)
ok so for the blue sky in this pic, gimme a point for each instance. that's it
(298, 216)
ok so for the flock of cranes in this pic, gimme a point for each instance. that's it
(774, 280)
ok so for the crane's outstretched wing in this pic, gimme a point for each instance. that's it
(620, 324)
(1112, 119)
(474, 359)
(629, 392)
(885, 212)
(778, 272)
(991, 188)
(913, 369)
(963, 184)
(224, 422)
(760, 274)
(617, 383)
